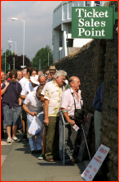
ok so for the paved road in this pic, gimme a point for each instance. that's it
(19, 165)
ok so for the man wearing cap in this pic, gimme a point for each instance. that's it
(52, 71)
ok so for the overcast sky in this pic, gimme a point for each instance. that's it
(38, 16)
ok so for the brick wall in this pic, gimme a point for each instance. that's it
(94, 63)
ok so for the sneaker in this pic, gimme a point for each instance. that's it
(24, 137)
(15, 138)
(9, 140)
(42, 156)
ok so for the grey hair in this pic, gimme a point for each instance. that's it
(40, 76)
(60, 73)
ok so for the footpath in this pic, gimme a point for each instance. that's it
(17, 164)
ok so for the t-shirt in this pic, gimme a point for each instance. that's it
(33, 104)
(28, 88)
(11, 95)
(23, 82)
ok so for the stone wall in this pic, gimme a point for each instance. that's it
(94, 63)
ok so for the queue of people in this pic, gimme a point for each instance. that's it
(27, 93)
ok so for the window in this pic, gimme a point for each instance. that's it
(87, 3)
(97, 3)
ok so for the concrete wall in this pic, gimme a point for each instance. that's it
(94, 63)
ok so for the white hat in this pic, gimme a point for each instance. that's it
(34, 79)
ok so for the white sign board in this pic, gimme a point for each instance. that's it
(94, 165)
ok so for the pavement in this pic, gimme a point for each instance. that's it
(17, 164)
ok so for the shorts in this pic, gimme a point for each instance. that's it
(11, 115)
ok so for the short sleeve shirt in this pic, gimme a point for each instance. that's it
(28, 88)
(33, 104)
(52, 92)
(12, 94)
(67, 101)
(23, 82)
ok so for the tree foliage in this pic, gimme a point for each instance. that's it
(9, 60)
(42, 55)
(8, 52)
(18, 61)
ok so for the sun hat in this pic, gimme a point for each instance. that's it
(52, 69)
(34, 79)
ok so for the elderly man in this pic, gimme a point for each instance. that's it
(73, 94)
(42, 79)
(52, 100)
(52, 71)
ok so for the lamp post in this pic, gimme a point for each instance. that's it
(9, 41)
(5, 61)
(14, 19)
(15, 43)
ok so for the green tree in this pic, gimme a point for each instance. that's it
(8, 52)
(42, 54)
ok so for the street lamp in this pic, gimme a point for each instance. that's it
(14, 19)
(9, 41)
(15, 47)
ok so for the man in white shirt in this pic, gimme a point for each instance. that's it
(32, 105)
(29, 87)
(67, 108)
(23, 82)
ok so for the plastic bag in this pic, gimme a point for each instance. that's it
(36, 126)
(34, 129)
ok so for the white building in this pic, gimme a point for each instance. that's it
(61, 30)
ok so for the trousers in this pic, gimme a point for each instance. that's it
(97, 126)
(70, 138)
(52, 138)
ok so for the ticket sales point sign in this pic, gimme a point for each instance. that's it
(93, 22)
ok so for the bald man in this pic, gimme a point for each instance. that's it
(42, 79)
(67, 108)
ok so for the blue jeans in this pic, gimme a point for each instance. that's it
(11, 115)
(34, 141)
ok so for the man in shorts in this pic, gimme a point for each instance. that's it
(11, 106)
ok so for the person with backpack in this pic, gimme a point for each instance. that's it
(11, 105)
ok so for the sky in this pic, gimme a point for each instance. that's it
(38, 16)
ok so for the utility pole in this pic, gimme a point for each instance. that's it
(13, 62)
(48, 59)
(39, 64)
(5, 61)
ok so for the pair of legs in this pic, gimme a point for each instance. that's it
(70, 136)
(97, 126)
(24, 123)
(44, 141)
(52, 138)
(34, 141)
(11, 116)
(14, 129)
